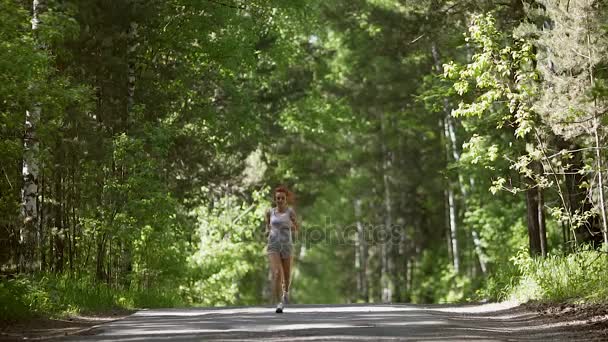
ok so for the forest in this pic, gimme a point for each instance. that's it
(440, 151)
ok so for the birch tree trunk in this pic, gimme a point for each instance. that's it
(598, 158)
(30, 170)
(451, 144)
(451, 202)
(598, 155)
(361, 255)
(448, 232)
(59, 234)
(386, 274)
(453, 233)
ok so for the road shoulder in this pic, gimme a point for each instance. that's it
(45, 328)
(582, 317)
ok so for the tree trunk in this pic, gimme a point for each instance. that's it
(59, 235)
(41, 233)
(386, 268)
(361, 256)
(533, 221)
(452, 211)
(598, 146)
(453, 233)
(463, 190)
(74, 219)
(101, 252)
(542, 231)
(29, 192)
(451, 202)
(598, 157)
(448, 231)
(537, 215)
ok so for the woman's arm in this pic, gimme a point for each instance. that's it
(267, 223)
(294, 220)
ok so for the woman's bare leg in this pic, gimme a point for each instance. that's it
(286, 266)
(277, 276)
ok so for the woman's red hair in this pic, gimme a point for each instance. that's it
(291, 197)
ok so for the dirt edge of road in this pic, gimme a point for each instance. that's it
(45, 328)
(594, 317)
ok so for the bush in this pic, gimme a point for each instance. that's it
(50, 295)
(499, 285)
(576, 277)
(13, 299)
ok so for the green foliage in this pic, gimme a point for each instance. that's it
(440, 283)
(153, 198)
(19, 299)
(21, 65)
(119, 181)
(496, 73)
(503, 82)
(577, 277)
(576, 41)
(500, 226)
(498, 286)
(317, 268)
(49, 294)
(229, 251)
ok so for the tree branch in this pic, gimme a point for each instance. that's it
(572, 151)
(583, 120)
(7, 179)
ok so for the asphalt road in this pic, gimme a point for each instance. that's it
(490, 322)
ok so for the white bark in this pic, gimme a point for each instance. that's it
(386, 276)
(361, 254)
(598, 155)
(598, 158)
(29, 172)
(448, 232)
(30, 168)
(452, 212)
(453, 236)
(448, 150)
(451, 144)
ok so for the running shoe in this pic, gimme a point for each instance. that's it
(280, 308)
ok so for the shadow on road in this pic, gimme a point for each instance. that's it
(337, 322)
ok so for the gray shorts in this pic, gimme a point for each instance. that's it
(280, 242)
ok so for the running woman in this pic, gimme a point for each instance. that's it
(280, 224)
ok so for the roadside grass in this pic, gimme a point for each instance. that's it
(575, 278)
(55, 296)
(579, 277)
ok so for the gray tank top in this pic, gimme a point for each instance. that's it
(280, 224)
